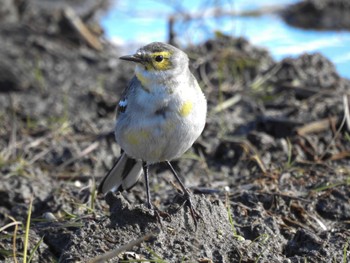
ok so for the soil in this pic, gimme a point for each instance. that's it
(270, 174)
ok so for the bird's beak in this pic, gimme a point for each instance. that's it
(135, 58)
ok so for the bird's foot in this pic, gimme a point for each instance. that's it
(194, 214)
(158, 214)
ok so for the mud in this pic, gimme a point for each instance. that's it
(269, 175)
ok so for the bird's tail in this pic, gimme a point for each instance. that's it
(122, 176)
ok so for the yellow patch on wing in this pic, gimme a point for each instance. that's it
(186, 108)
(137, 137)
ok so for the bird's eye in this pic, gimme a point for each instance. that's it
(159, 58)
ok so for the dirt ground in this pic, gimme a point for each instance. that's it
(270, 174)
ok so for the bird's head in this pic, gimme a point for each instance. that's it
(159, 58)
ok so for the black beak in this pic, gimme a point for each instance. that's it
(135, 58)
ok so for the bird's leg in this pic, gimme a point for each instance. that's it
(145, 173)
(157, 213)
(187, 195)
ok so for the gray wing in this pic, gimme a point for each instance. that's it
(123, 103)
(126, 171)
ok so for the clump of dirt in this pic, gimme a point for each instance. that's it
(175, 238)
(319, 14)
(269, 175)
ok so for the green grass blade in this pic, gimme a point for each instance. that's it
(35, 249)
(26, 236)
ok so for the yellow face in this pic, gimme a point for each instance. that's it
(159, 61)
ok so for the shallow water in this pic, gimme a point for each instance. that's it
(133, 23)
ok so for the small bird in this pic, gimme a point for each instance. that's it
(160, 115)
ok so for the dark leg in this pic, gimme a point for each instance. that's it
(187, 195)
(157, 213)
(145, 173)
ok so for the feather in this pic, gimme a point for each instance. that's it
(122, 176)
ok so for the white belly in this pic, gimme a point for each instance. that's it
(158, 139)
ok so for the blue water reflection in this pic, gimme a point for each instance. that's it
(140, 22)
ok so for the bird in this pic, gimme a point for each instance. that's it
(160, 115)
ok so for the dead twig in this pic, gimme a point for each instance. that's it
(82, 29)
(83, 153)
(336, 135)
(115, 252)
(346, 111)
(316, 126)
(227, 104)
(254, 155)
